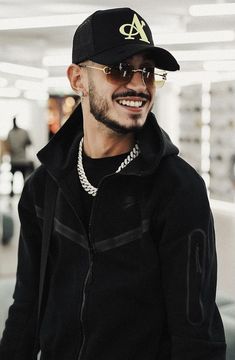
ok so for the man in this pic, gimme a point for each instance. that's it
(18, 140)
(132, 265)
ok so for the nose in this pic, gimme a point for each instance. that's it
(137, 82)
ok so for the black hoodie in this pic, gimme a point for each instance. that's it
(141, 283)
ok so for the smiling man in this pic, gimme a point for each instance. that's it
(131, 259)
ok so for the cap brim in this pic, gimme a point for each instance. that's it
(163, 59)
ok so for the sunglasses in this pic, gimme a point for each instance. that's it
(123, 73)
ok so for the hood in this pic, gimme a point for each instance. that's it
(60, 154)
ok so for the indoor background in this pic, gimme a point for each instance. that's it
(196, 106)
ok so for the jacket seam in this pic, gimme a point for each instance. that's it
(124, 238)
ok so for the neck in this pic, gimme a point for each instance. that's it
(100, 142)
(99, 146)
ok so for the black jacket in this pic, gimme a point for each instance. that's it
(141, 284)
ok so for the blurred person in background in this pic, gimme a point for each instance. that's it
(131, 263)
(17, 141)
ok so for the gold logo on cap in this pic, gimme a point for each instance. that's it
(135, 28)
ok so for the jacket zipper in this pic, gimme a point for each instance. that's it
(86, 283)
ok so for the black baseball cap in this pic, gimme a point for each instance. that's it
(110, 36)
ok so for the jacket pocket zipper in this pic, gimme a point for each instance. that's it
(197, 259)
(195, 269)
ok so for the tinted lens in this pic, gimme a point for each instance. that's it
(121, 73)
(160, 78)
(148, 75)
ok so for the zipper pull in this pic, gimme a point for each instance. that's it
(198, 265)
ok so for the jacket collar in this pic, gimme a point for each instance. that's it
(59, 156)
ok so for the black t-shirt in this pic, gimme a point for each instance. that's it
(95, 170)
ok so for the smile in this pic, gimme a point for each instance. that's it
(131, 103)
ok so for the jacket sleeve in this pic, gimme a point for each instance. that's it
(18, 337)
(189, 274)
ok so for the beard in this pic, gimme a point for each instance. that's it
(99, 108)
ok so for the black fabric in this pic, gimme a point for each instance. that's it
(128, 290)
(99, 38)
(96, 170)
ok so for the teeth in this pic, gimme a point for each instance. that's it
(130, 103)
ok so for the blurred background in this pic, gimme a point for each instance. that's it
(196, 107)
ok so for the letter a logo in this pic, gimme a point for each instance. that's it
(134, 29)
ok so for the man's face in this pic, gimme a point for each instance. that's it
(121, 107)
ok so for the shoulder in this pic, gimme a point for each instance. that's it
(37, 178)
(177, 180)
(34, 188)
(180, 172)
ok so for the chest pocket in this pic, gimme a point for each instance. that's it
(117, 216)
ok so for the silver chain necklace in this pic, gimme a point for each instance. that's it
(81, 172)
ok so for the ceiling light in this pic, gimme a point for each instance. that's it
(42, 21)
(195, 37)
(56, 60)
(36, 95)
(212, 9)
(204, 55)
(23, 70)
(3, 82)
(219, 65)
(188, 77)
(68, 7)
(29, 85)
(9, 92)
(57, 82)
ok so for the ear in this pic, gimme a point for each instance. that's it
(76, 78)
